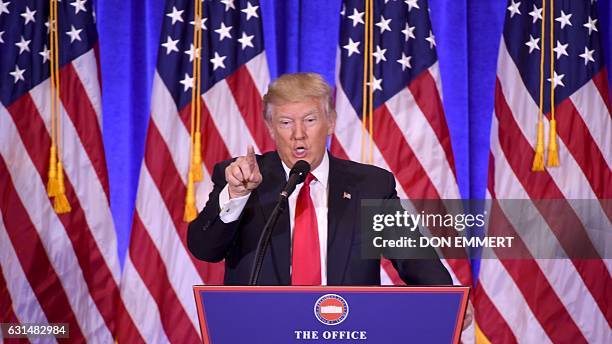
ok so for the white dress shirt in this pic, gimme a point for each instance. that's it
(232, 208)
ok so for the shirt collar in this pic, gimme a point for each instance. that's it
(321, 172)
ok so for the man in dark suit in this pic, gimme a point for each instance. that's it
(318, 240)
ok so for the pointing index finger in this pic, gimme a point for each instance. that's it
(251, 156)
(251, 159)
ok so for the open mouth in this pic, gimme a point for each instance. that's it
(299, 152)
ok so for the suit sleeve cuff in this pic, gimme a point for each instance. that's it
(231, 208)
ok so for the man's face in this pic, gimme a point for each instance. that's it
(300, 131)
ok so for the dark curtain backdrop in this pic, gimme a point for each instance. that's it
(302, 35)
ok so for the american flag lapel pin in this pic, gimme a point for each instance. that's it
(346, 195)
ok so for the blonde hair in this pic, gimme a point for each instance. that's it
(298, 87)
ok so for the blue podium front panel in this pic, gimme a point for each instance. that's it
(330, 314)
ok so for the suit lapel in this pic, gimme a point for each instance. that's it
(267, 194)
(343, 203)
(341, 215)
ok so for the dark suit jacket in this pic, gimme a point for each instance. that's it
(212, 240)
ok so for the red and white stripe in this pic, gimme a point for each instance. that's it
(536, 299)
(160, 272)
(411, 139)
(58, 268)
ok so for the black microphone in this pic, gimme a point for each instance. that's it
(297, 175)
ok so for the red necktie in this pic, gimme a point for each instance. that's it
(306, 262)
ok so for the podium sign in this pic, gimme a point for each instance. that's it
(230, 314)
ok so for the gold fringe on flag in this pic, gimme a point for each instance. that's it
(61, 204)
(366, 81)
(370, 51)
(367, 104)
(196, 164)
(55, 186)
(195, 173)
(553, 150)
(479, 336)
(538, 159)
(190, 208)
(52, 184)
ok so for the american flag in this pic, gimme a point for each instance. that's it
(410, 133)
(539, 300)
(54, 268)
(159, 271)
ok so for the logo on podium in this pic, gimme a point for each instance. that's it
(331, 309)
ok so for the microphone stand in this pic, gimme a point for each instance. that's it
(297, 175)
(264, 239)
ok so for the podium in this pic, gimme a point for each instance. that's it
(258, 314)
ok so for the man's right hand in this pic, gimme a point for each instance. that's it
(243, 175)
